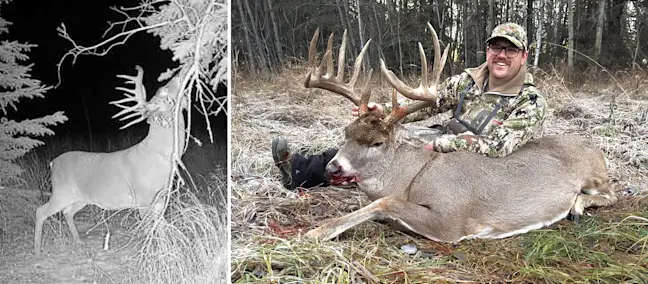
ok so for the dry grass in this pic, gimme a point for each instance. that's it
(188, 245)
(267, 219)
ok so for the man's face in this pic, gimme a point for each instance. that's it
(505, 65)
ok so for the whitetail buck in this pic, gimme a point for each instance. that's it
(128, 178)
(453, 196)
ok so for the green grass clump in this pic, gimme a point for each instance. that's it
(593, 251)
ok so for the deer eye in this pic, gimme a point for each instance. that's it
(376, 144)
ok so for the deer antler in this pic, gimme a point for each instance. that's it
(425, 92)
(316, 79)
(138, 96)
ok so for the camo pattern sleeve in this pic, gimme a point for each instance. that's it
(522, 124)
(448, 98)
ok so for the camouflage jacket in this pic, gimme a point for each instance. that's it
(519, 119)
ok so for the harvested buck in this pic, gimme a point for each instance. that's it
(128, 178)
(453, 196)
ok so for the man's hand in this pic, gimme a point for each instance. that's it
(373, 107)
(468, 138)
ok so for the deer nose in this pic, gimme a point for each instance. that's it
(333, 169)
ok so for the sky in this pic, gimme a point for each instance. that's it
(89, 84)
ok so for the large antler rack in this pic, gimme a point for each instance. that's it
(316, 78)
(137, 95)
(426, 92)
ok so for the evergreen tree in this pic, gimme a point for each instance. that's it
(16, 84)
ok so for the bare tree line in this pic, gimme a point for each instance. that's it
(269, 35)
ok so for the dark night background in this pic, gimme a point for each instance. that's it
(88, 85)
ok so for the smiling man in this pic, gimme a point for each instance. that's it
(497, 109)
(497, 106)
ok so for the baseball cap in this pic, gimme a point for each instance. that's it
(511, 31)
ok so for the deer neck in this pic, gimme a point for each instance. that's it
(161, 132)
(410, 156)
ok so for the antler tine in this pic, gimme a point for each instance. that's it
(315, 78)
(398, 112)
(134, 114)
(312, 51)
(439, 62)
(363, 107)
(137, 95)
(133, 122)
(341, 57)
(329, 57)
(424, 70)
(358, 63)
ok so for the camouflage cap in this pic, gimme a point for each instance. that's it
(513, 32)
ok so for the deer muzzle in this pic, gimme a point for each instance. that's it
(333, 169)
(339, 173)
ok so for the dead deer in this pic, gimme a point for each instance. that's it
(129, 178)
(450, 197)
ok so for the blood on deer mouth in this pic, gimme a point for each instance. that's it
(343, 180)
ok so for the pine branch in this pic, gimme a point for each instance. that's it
(16, 84)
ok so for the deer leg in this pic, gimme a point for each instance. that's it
(69, 217)
(605, 198)
(408, 214)
(43, 212)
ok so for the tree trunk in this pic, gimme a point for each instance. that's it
(366, 62)
(275, 29)
(559, 37)
(600, 19)
(248, 44)
(551, 36)
(391, 14)
(478, 39)
(355, 47)
(570, 39)
(400, 47)
(539, 29)
(529, 20)
(636, 51)
(440, 21)
(465, 35)
(455, 22)
(257, 37)
(457, 35)
(490, 22)
(377, 25)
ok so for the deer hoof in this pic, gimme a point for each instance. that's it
(312, 234)
(318, 233)
(575, 217)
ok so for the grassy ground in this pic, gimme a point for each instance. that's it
(607, 246)
(189, 246)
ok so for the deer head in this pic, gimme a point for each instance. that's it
(370, 140)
